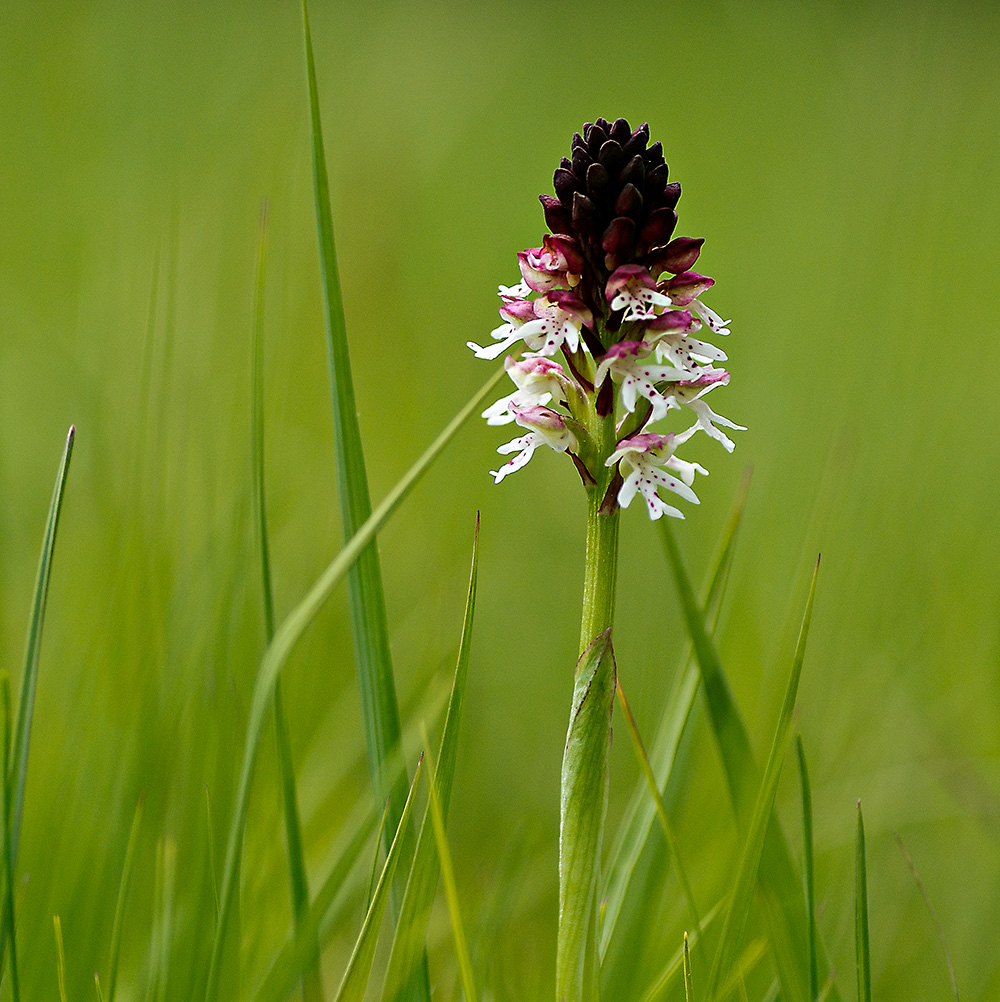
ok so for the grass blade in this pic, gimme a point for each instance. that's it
(379, 707)
(9, 923)
(448, 879)
(312, 985)
(280, 648)
(123, 888)
(298, 953)
(746, 878)
(408, 943)
(60, 958)
(163, 920)
(807, 866)
(675, 964)
(779, 882)
(352, 988)
(638, 821)
(862, 952)
(688, 987)
(661, 811)
(29, 681)
(584, 771)
(933, 914)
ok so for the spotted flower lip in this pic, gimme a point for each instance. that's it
(544, 324)
(545, 427)
(649, 463)
(690, 394)
(669, 334)
(628, 362)
(631, 288)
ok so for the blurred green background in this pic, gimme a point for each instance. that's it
(840, 159)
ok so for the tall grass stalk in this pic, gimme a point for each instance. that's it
(278, 651)
(312, 983)
(369, 627)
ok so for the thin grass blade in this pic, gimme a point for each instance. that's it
(278, 651)
(807, 866)
(9, 923)
(746, 878)
(933, 915)
(352, 988)
(298, 953)
(60, 958)
(688, 987)
(379, 706)
(638, 820)
(661, 811)
(212, 869)
(29, 680)
(779, 882)
(448, 879)
(312, 985)
(675, 964)
(123, 888)
(862, 951)
(408, 943)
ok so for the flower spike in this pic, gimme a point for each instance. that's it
(607, 316)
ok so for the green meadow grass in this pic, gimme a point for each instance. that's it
(211, 783)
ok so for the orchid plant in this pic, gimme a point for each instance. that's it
(614, 293)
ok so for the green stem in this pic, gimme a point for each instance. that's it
(584, 795)
(601, 571)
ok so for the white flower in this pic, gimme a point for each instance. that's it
(629, 364)
(648, 462)
(684, 289)
(631, 288)
(545, 427)
(669, 335)
(545, 324)
(538, 381)
(690, 393)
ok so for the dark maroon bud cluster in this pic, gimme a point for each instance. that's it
(614, 199)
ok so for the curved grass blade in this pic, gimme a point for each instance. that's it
(298, 953)
(638, 821)
(863, 955)
(781, 887)
(312, 984)
(280, 648)
(408, 943)
(29, 681)
(807, 866)
(123, 888)
(661, 811)
(369, 627)
(933, 914)
(9, 924)
(584, 771)
(746, 877)
(448, 879)
(352, 988)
